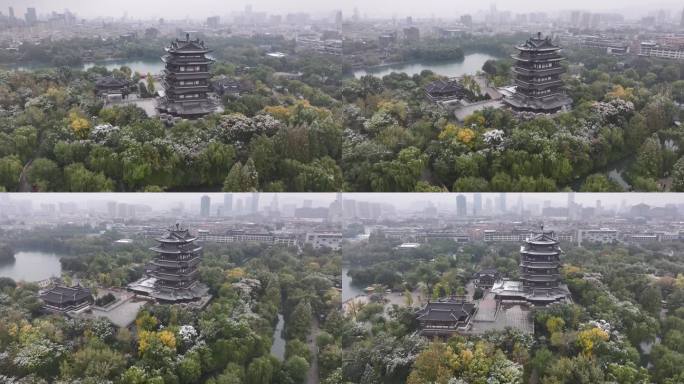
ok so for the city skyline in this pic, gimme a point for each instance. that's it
(401, 201)
(379, 8)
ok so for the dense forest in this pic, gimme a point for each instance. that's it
(625, 324)
(329, 131)
(228, 341)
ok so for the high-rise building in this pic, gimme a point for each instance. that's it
(477, 204)
(461, 206)
(186, 79)
(539, 87)
(31, 16)
(227, 204)
(572, 209)
(254, 208)
(11, 13)
(502, 203)
(111, 209)
(213, 21)
(205, 206)
(681, 21)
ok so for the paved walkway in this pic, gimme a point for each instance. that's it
(312, 375)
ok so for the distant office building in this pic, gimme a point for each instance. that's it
(205, 206)
(681, 20)
(466, 20)
(412, 34)
(31, 16)
(254, 209)
(111, 209)
(602, 236)
(320, 240)
(338, 17)
(665, 51)
(213, 21)
(477, 204)
(461, 206)
(227, 204)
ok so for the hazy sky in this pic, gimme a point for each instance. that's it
(197, 9)
(399, 200)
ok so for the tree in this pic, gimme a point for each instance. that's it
(10, 170)
(260, 371)
(150, 84)
(215, 162)
(242, 178)
(649, 162)
(79, 179)
(599, 183)
(189, 369)
(299, 323)
(436, 365)
(45, 174)
(296, 368)
(678, 176)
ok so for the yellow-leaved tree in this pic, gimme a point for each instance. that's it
(79, 124)
(589, 338)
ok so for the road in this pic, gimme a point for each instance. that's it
(312, 375)
(24, 185)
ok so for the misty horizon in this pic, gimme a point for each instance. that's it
(201, 9)
(401, 201)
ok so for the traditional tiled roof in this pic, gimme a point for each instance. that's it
(66, 295)
(444, 86)
(110, 82)
(445, 311)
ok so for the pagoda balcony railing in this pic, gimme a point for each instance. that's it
(544, 277)
(176, 86)
(541, 56)
(537, 59)
(176, 263)
(176, 250)
(540, 85)
(543, 97)
(169, 72)
(520, 70)
(174, 276)
(540, 252)
(539, 264)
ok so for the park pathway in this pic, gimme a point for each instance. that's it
(312, 375)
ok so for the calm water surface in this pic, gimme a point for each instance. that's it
(32, 266)
(469, 66)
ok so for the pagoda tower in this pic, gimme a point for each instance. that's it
(540, 281)
(540, 269)
(186, 80)
(538, 71)
(175, 266)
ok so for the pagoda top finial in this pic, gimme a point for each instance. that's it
(539, 35)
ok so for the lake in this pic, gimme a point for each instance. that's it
(32, 266)
(468, 66)
(141, 66)
(348, 290)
